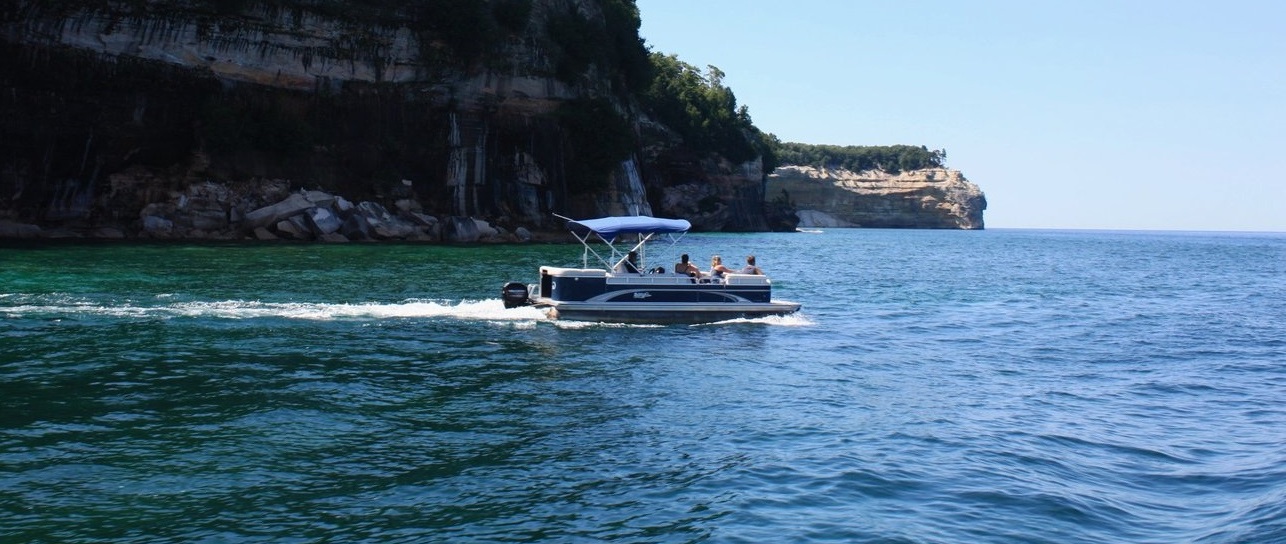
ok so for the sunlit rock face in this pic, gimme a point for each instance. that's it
(933, 198)
(177, 119)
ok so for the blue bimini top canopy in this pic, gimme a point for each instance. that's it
(608, 228)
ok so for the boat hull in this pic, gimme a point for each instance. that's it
(597, 295)
(663, 312)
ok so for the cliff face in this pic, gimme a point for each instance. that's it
(934, 198)
(120, 111)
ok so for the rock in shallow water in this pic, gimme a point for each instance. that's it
(295, 227)
(323, 221)
(269, 215)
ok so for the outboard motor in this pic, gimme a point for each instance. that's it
(515, 294)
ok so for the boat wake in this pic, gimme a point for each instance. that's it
(162, 307)
(166, 306)
(792, 320)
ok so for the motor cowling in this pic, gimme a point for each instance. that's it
(515, 294)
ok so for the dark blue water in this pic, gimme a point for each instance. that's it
(938, 386)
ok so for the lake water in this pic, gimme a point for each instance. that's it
(938, 386)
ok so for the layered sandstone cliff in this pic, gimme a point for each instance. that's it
(934, 198)
(117, 112)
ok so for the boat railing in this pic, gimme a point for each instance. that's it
(746, 279)
(649, 279)
(573, 272)
(678, 279)
(670, 278)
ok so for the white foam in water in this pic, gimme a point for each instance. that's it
(792, 320)
(566, 324)
(484, 310)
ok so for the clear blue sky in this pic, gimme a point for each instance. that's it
(1085, 114)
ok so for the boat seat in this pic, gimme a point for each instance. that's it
(746, 279)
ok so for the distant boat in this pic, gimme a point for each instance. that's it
(624, 291)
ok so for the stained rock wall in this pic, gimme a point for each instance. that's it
(113, 108)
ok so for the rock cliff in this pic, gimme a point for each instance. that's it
(934, 198)
(181, 119)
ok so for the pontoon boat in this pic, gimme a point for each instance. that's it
(612, 293)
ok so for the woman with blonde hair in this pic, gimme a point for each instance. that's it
(717, 269)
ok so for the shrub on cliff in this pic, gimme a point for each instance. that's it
(889, 158)
(700, 108)
(613, 45)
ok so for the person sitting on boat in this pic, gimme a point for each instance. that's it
(630, 265)
(750, 267)
(685, 267)
(717, 269)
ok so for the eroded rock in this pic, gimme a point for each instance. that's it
(932, 198)
(272, 214)
(323, 221)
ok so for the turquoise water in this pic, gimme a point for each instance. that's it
(938, 386)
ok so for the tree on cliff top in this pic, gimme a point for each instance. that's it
(612, 45)
(889, 158)
(702, 110)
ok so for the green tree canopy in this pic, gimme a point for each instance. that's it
(889, 158)
(702, 110)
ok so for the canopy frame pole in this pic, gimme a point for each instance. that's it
(645, 232)
(639, 247)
